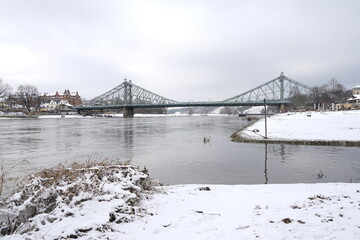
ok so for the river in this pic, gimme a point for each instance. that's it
(173, 150)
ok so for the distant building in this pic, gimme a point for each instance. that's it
(54, 105)
(73, 99)
(353, 102)
(355, 99)
(356, 90)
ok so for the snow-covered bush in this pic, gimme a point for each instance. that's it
(75, 201)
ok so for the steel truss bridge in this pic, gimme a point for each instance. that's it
(128, 96)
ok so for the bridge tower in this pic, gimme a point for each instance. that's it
(126, 96)
(281, 80)
(280, 89)
(128, 111)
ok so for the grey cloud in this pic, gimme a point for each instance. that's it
(182, 49)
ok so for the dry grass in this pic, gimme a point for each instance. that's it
(5, 172)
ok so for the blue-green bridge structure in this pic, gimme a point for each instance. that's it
(128, 96)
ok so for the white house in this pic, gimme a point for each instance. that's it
(54, 105)
(353, 102)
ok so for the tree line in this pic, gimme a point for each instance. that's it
(26, 95)
(332, 92)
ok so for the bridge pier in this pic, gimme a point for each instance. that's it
(128, 112)
(282, 108)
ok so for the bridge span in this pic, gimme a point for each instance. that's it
(128, 96)
(129, 108)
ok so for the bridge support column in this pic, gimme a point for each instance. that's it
(128, 112)
(282, 108)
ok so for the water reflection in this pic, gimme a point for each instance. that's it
(129, 134)
(266, 158)
(129, 138)
(282, 153)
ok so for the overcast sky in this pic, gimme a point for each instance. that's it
(180, 49)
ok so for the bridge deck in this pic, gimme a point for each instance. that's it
(182, 104)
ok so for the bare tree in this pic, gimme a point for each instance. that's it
(299, 100)
(11, 101)
(5, 89)
(321, 94)
(337, 91)
(332, 92)
(28, 96)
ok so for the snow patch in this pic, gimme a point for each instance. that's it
(311, 126)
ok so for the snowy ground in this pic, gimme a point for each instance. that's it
(293, 211)
(343, 125)
(254, 110)
(11, 114)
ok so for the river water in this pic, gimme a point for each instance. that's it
(173, 150)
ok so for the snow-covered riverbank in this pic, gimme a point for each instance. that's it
(293, 211)
(307, 126)
(118, 201)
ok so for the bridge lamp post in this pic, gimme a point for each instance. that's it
(265, 119)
